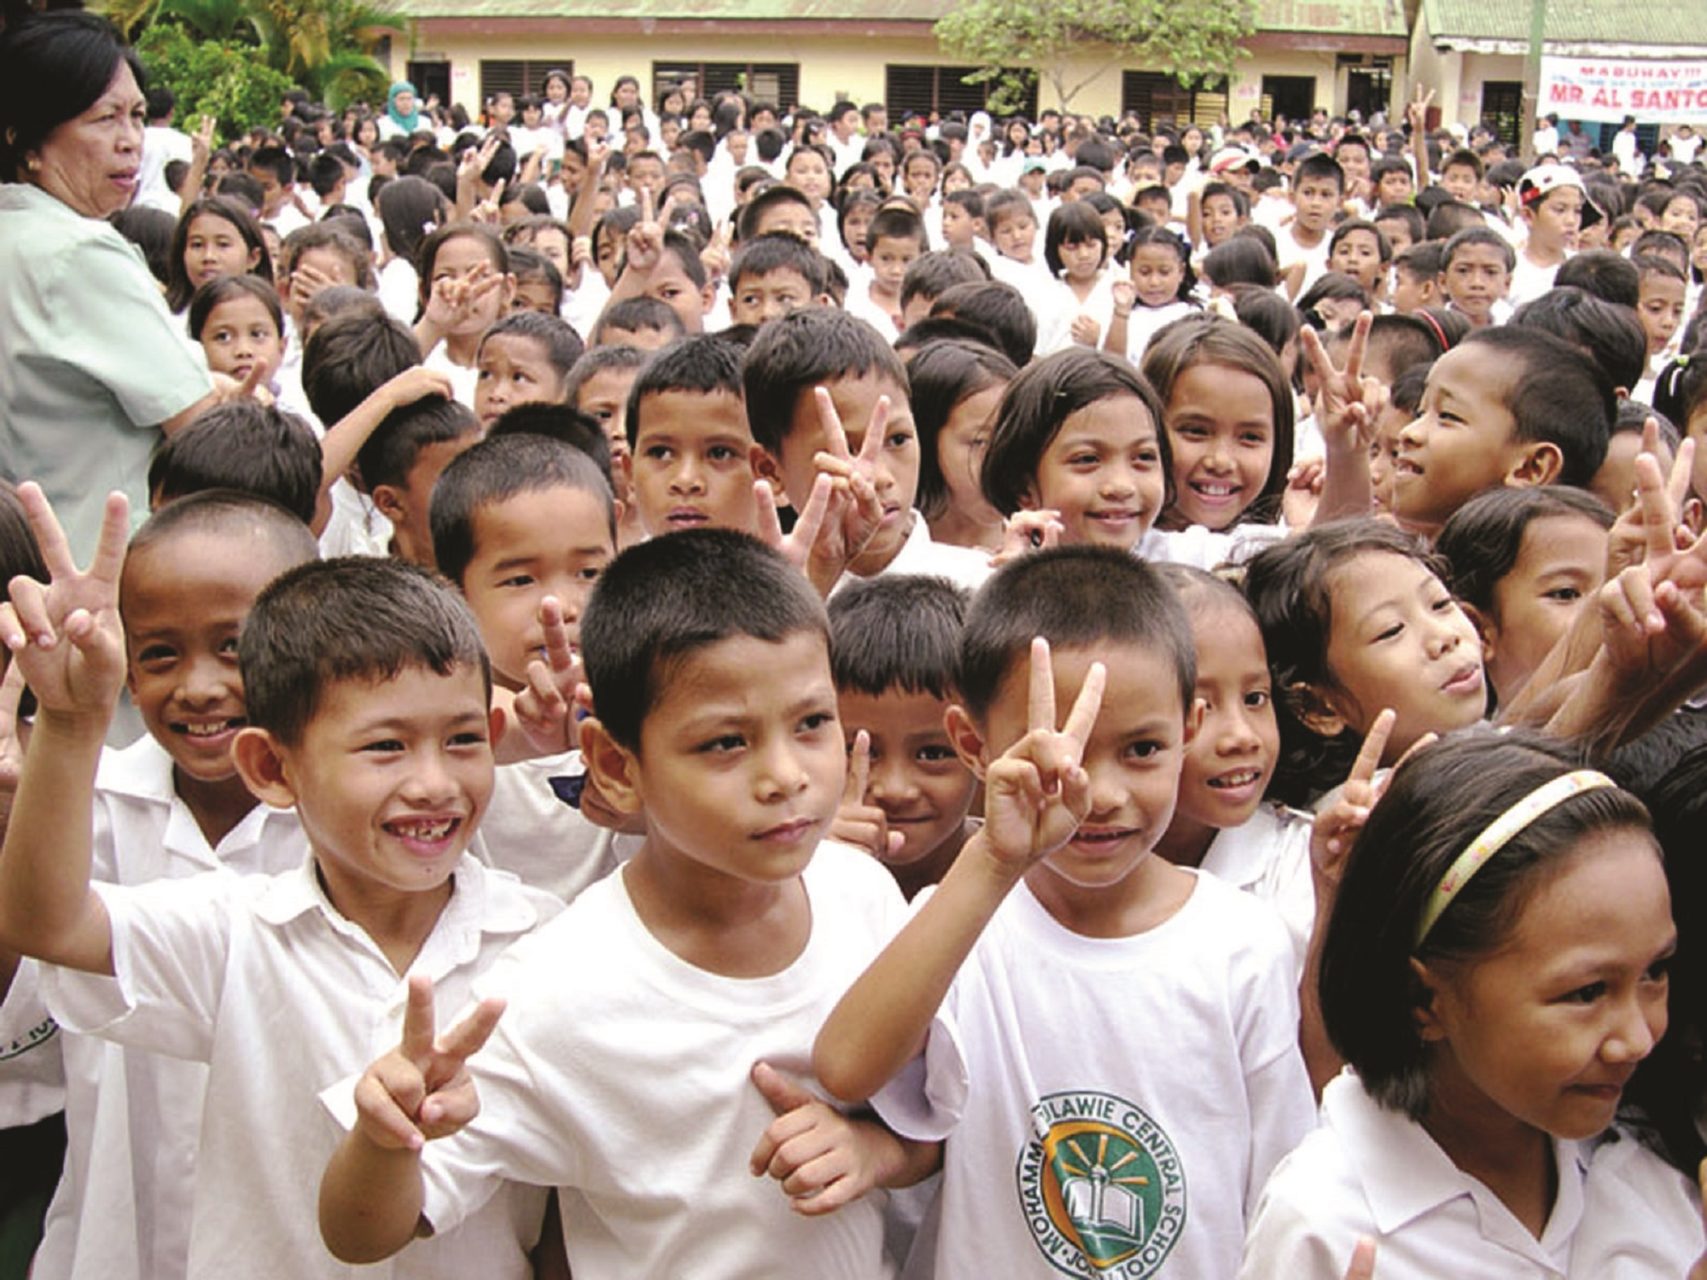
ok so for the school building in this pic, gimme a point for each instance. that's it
(1338, 55)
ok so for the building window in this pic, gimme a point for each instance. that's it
(776, 82)
(517, 77)
(1157, 98)
(1502, 109)
(1291, 96)
(939, 90)
(431, 79)
(1368, 84)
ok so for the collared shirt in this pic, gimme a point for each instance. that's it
(1620, 1212)
(921, 555)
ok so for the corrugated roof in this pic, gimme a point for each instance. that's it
(1344, 17)
(1666, 23)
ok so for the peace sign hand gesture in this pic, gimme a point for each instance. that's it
(65, 637)
(1037, 793)
(421, 1089)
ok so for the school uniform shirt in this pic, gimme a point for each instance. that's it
(400, 290)
(1529, 280)
(132, 1118)
(261, 979)
(32, 1066)
(533, 835)
(922, 556)
(463, 378)
(1146, 322)
(860, 303)
(1062, 307)
(1621, 1213)
(1112, 1106)
(1268, 856)
(1314, 258)
(1205, 548)
(620, 1075)
(583, 304)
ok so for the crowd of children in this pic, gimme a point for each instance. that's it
(764, 694)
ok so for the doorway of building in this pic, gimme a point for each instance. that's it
(1291, 96)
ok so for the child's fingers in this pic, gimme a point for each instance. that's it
(1316, 353)
(812, 516)
(767, 525)
(648, 210)
(872, 444)
(830, 424)
(470, 1035)
(447, 1110)
(1362, 1261)
(859, 769)
(1374, 747)
(1681, 473)
(50, 538)
(559, 650)
(1040, 691)
(386, 1095)
(29, 607)
(1358, 346)
(1653, 499)
(1086, 706)
(418, 1033)
(783, 1094)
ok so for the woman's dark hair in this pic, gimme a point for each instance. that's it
(178, 286)
(53, 68)
(20, 556)
(1288, 585)
(1435, 805)
(942, 374)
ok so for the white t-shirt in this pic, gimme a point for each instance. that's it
(533, 835)
(463, 378)
(400, 290)
(1062, 307)
(161, 144)
(1683, 149)
(1206, 548)
(1314, 258)
(261, 979)
(1529, 280)
(1269, 856)
(1128, 1093)
(1146, 322)
(620, 1075)
(1621, 1213)
(133, 1119)
(920, 556)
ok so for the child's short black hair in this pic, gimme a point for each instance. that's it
(389, 454)
(1422, 261)
(898, 632)
(1652, 264)
(1435, 805)
(893, 223)
(496, 470)
(701, 364)
(243, 445)
(1464, 158)
(1007, 203)
(968, 199)
(1405, 213)
(1666, 243)
(1608, 334)
(229, 512)
(227, 288)
(1449, 217)
(1481, 541)
(753, 212)
(778, 251)
(561, 344)
(349, 358)
(1556, 395)
(802, 350)
(1607, 275)
(998, 307)
(1072, 223)
(937, 328)
(598, 360)
(1266, 314)
(1398, 343)
(336, 236)
(1383, 245)
(944, 373)
(662, 601)
(1240, 260)
(1482, 235)
(631, 315)
(361, 618)
(1039, 400)
(931, 274)
(560, 422)
(1319, 165)
(1074, 597)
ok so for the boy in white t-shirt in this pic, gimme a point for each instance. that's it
(366, 691)
(644, 1063)
(1107, 1041)
(1554, 208)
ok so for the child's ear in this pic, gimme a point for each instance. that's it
(1194, 720)
(389, 503)
(1486, 627)
(965, 737)
(611, 765)
(766, 467)
(509, 292)
(260, 761)
(1315, 712)
(1539, 464)
(1426, 988)
(1694, 515)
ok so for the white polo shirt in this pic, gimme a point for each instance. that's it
(260, 978)
(1621, 1212)
(921, 555)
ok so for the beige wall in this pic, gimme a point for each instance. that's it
(831, 67)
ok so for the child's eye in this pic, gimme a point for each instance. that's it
(518, 580)
(721, 453)
(658, 452)
(1192, 432)
(1390, 632)
(1659, 970)
(723, 745)
(1257, 698)
(468, 738)
(591, 573)
(155, 655)
(899, 439)
(1082, 459)
(1144, 749)
(228, 646)
(936, 753)
(1587, 994)
(384, 746)
(1566, 594)
(816, 720)
(1443, 604)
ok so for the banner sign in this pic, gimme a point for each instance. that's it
(1607, 89)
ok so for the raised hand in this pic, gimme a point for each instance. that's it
(1417, 109)
(857, 823)
(1026, 531)
(421, 1089)
(1086, 331)
(645, 245)
(1335, 828)
(1362, 1265)
(454, 299)
(1037, 792)
(822, 1159)
(544, 711)
(65, 636)
(487, 210)
(861, 512)
(1345, 399)
(11, 732)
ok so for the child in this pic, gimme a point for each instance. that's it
(1221, 823)
(1402, 225)
(1416, 278)
(895, 655)
(1158, 293)
(598, 386)
(779, 209)
(1510, 406)
(1555, 207)
(1228, 411)
(169, 806)
(1660, 308)
(1494, 970)
(524, 358)
(665, 265)
(792, 366)
(1079, 308)
(1077, 439)
(1223, 209)
(931, 275)
(409, 210)
(1523, 563)
(963, 225)
(724, 940)
(466, 286)
(1475, 273)
(1359, 250)
(539, 284)
(215, 237)
(1069, 1140)
(894, 239)
(246, 446)
(773, 275)
(1355, 619)
(956, 386)
(402, 461)
(1318, 188)
(1013, 230)
(240, 325)
(691, 454)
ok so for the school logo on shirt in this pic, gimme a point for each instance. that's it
(1101, 1186)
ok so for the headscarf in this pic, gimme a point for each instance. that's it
(408, 123)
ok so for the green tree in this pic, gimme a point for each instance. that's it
(1050, 38)
(214, 77)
